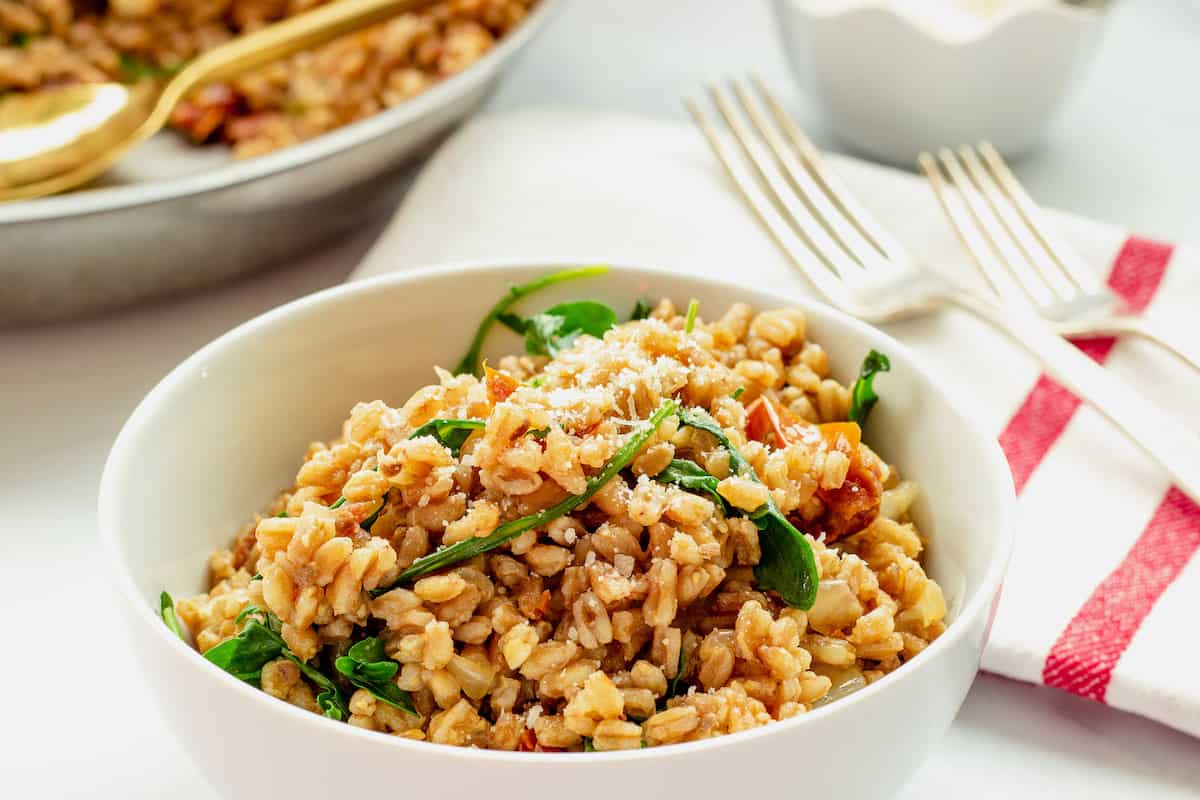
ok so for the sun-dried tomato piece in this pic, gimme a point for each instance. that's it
(499, 384)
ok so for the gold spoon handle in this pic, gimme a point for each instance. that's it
(244, 53)
(278, 41)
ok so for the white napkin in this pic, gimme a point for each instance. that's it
(1104, 589)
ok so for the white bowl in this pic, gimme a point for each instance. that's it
(225, 430)
(893, 79)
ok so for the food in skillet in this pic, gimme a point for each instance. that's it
(49, 42)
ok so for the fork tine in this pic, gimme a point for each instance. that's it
(835, 232)
(781, 231)
(786, 199)
(1038, 262)
(1064, 256)
(833, 187)
(1010, 255)
(970, 234)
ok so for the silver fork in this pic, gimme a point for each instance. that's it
(1018, 253)
(865, 272)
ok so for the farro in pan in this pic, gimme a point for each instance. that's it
(47, 42)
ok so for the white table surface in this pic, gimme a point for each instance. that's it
(76, 721)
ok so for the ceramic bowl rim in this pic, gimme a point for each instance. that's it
(994, 27)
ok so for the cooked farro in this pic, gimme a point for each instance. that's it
(634, 619)
(47, 42)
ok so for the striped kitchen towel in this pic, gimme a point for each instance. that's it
(1103, 593)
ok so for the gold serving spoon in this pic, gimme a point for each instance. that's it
(56, 139)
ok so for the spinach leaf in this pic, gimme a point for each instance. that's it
(738, 392)
(330, 703)
(166, 608)
(245, 655)
(677, 686)
(690, 321)
(450, 433)
(20, 40)
(787, 565)
(693, 477)
(374, 515)
(248, 611)
(588, 747)
(538, 433)
(557, 328)
(330, 699)
(341, 501)
(470, 361)
(260, 643)
(862, 396)
(514, 322)
(641, 309)
(367, 666)
(469, 548)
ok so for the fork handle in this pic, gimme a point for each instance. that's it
(1162, 437)
(1128, 326)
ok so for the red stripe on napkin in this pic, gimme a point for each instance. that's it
(1135, 276)
(1083, 658)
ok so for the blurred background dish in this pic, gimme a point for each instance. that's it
(173, 216)
(895, 77)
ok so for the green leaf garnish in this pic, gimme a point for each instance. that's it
(248, 611)
(166, 608)
(370, 519)
(330, 703)
(787, 565)
(691, 476)
(374, 515)
(588, 747)
(469, 548)
(641, 309)
(245, 655)
(450, 433)
(470, 361)
(20, 40)
(677, 686)
(738, 392)
(330, 699)
(258, 644)
(557, 328)
(862, 396)
(367, 666)
(514, 322)
(538, 433)
(690, 321)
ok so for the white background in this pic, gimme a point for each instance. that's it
(76, 723)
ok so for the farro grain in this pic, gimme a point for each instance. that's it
(579, 628)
